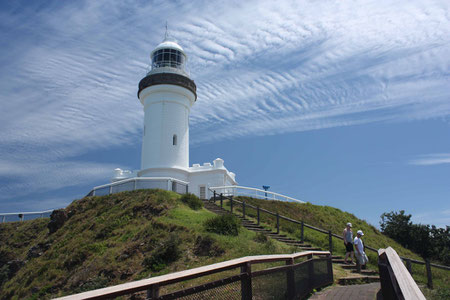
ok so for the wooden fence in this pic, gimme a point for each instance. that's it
(396, 281)
(245, 206)
(292, 280)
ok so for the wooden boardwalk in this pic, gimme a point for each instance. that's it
(371, 291)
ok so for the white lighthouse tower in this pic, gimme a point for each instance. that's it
(167, 95)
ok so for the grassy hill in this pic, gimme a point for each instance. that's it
(334, 219)
(133, 235)
(114, 239)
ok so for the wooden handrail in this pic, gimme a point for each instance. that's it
(447, 268)
(403, 283)
(145, 284)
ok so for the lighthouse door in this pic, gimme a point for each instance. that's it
(202, 192)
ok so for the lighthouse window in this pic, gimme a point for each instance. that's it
(174, 140)
(168, 58)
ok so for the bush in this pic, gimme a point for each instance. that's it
(192, 201)
(207, 246)
(224, 224)
(166, 253)
(261, 238)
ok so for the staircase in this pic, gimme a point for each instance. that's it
(365, 276)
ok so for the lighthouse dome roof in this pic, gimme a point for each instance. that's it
(168, 44)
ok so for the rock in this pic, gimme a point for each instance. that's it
(57, 220)
(38, 250)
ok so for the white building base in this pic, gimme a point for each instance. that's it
(196, 179)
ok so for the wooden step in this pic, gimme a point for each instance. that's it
(341, 261)
(366, 272)
(266, 231)
(276, 234)
(348, 267)
(310, 248)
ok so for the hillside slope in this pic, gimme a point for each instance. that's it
(114, 239)
(132, 235)
(324, 217)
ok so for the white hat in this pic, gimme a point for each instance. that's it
(349, 224)
(360, 232)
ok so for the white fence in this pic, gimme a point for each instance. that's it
(137, 183)
(21, 216)
(235, 190)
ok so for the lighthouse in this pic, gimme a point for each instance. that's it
(167, 94)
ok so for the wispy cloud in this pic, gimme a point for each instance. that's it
(70, 71)
(431, 159)
(440, 218)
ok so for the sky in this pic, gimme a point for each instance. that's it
(337, 103)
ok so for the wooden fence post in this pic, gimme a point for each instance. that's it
(221, 200)
(302, 232)
(330, 241)
(290, 280)
(231, 203)
(257, 214)
(430, 279)
(310, 271)
(246, 282)
(243, 209)
(330, 266)
(214, 197)
(278, 223)
(153, 292)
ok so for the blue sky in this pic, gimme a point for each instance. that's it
(338, 103)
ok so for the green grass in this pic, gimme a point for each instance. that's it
(115, 239)
(329, 218)
(131, 235)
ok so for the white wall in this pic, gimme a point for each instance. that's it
(166, 109)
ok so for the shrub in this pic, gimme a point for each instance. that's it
(166, 253)
(207, 246)
(260, 238)
(192, 201)
(224, 224)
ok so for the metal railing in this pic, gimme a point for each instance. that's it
(235, 190)
(244, 207)
(20, 216)
(243, 278)
(136, 183)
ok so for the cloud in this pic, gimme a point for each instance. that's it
(70, 71)
(431, 159)
(439, 218)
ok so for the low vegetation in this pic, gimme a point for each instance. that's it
(192, 201)
(330, 218)
(428, 241)
(107, 240)
(223, 224)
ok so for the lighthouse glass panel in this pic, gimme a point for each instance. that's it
(168, 58)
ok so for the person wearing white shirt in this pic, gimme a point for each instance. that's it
(359, 247)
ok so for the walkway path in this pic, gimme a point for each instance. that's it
(369, 291)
